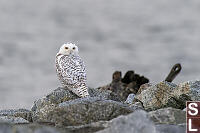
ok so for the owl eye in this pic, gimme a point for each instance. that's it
(66, 48)
(73, 48)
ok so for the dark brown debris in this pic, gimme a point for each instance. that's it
(117, 76)
(130, 76)
(122, 87)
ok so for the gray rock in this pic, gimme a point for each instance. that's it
(168, 116)
(12, 120)
(164, 128)
(41, 128)
(87, 100)
(57, 96)
(5, 128)
(63, 94)
(104, 94)
(29, 128)
(130, 99)
(88, 128)
(118, 89)
(137, 122)
(136, 106)
(23, 113)
(81, 111)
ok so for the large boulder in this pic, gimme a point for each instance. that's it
(163, 94)
(54, 98)
(168, 116)
(62, 94)
(29, 128)
(137, 122)
(80, 111)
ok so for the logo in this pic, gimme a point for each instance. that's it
(193, 116)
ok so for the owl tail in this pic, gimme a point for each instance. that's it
(81, 91)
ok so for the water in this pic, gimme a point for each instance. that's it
(141, 35)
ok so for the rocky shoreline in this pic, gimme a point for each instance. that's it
(130, 105)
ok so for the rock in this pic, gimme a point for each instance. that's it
(166, 94)
(163, 94)
(23, 113)
(190, 88)
(140, 122)
(54, 98)
(130, 99)
(104, 94)
(12, 120)
(29, 128)
(137, 122)
(132, 103)
(63, 94)
(88, 128)
(81, 111)
(41, 128)
(144, 87)
(136, 106)
(168, 116)
(164, 128)
(117, 89)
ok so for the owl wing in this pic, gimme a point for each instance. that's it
(82, 71)
(73, 71)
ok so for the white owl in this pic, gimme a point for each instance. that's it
(71, 69)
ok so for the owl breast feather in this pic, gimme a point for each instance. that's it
(73, 69)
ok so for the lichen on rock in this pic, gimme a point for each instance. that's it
(166, 94)
(163, 94)
(190, 89)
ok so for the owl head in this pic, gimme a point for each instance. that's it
(68, 49)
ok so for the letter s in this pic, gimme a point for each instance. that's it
(193, 108)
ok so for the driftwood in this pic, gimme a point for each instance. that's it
(123, 86)
(117, 76)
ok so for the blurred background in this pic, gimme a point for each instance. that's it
(142, 35)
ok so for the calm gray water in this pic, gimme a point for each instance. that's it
(148, 36)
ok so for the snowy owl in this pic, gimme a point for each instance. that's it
(71, 69)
